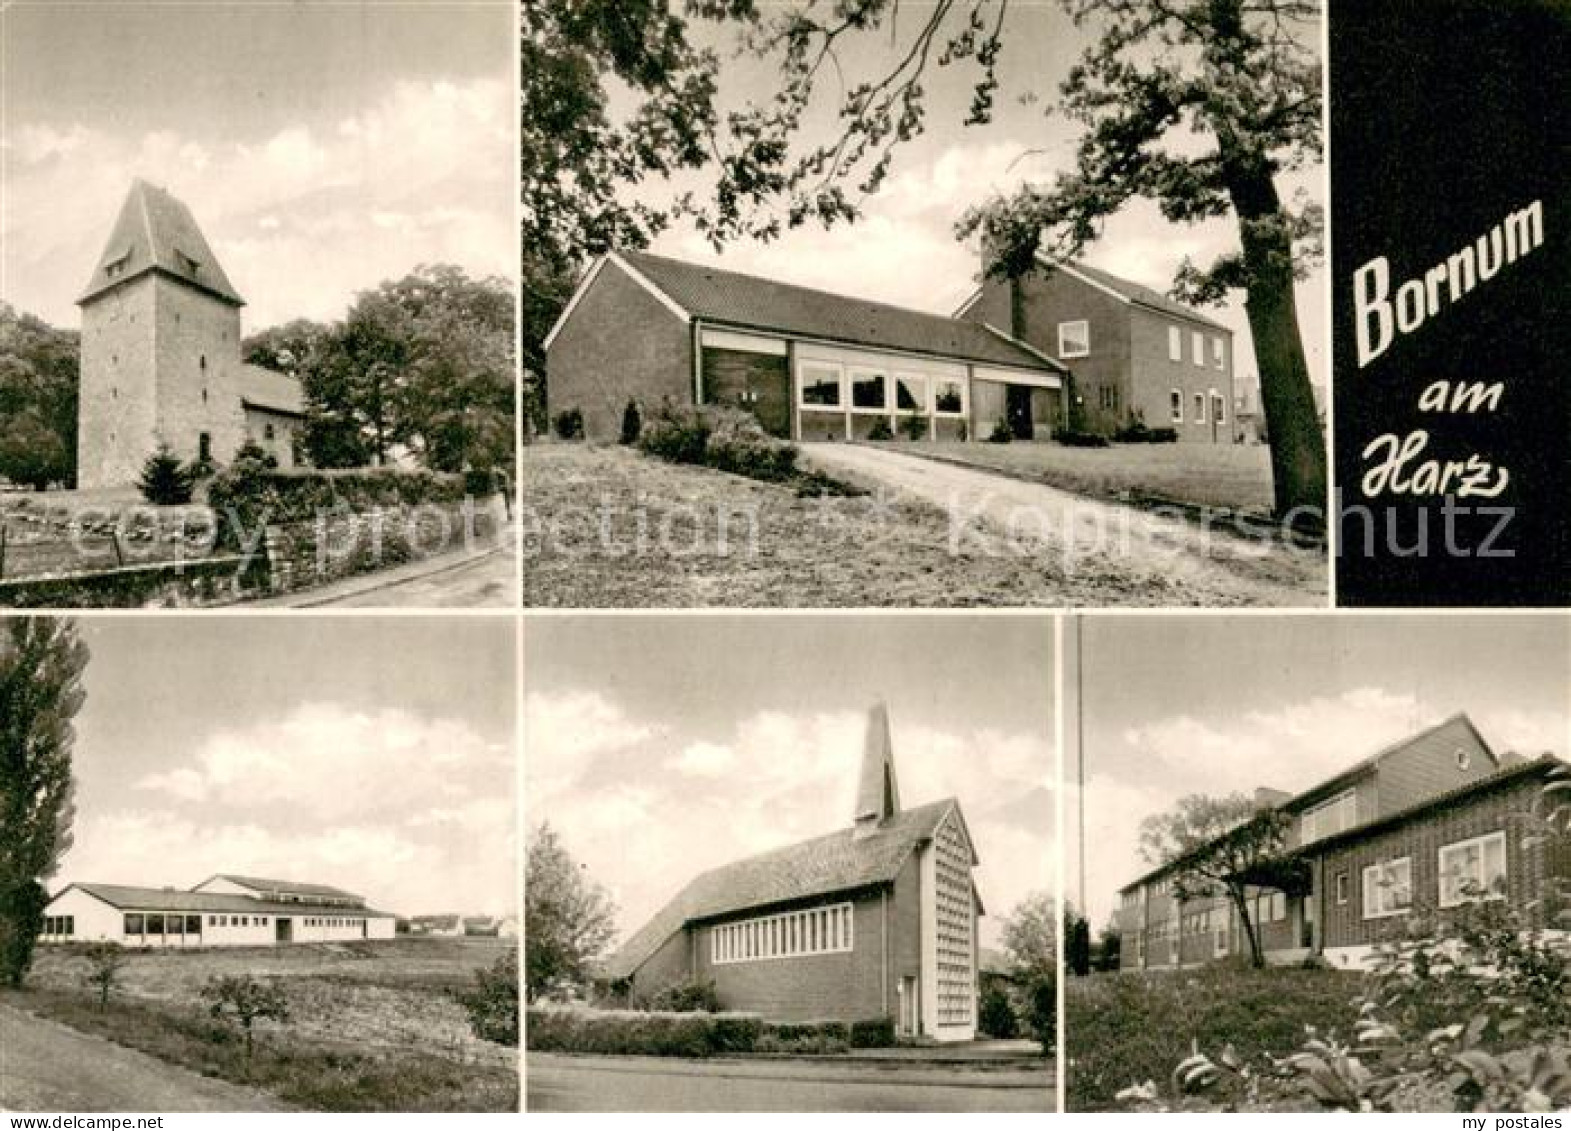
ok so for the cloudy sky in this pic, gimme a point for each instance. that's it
(373, 754)
(662, 746)
(1218, 704)
(323, 147)
(904, 250)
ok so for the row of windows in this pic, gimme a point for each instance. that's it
(821, 930)
(1217, 402)
(1469, 870)
(821, 386)
(158, 923)
(1074, 340)
(1336, 815)
(59, 926)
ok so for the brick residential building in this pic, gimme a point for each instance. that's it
(810, 365)
(223, 910)
(1132, 352)
(161, 354)
(1430, 823)
(872, 921)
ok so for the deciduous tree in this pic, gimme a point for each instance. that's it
(38, 397)
(569, 920)
(41, 665)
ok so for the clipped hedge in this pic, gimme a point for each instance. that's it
(873, 1033)
(634, 1033)
(1072, 439)
(723, 438)
(247, 495)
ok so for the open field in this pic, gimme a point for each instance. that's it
(605, 527)
(1234, 476)
(373, 1026)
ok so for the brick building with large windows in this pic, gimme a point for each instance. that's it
(1427, 825)
(876, 920)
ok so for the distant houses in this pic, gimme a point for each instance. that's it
(454, 926)
(1433, 823)
(223, 910)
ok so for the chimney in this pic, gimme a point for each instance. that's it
(1268, 798)
(878, 791)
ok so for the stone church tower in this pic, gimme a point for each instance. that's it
(161, 353)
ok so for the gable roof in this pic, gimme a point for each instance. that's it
(270, 391)
(821, 866)
(156, 232)
(129, 898)
(1458, 723)
(290, 887)
(1130, 291)
(748, 302)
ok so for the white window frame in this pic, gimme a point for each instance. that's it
(1309, 830)
(1218, 354)
(1375, 888)
(852, 372)
(834, 367)
(1175, 344)
(1453, 898)
(924, 402)
(1197, 347)
(1068, 327)
(806, 933)
(1218, 407)
(1344, 885)
(965, 395)
(1176, 405)
(1200, 414)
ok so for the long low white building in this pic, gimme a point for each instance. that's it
(224, 910)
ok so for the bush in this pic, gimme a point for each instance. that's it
(1042, 1009)
(632, 423)
(104, 960)
(256, 495)
(809, 1038)
(726, 439)
(873, 1033)
(1001, 433)
(641, 1033)
(492, 1005)
(996, 1016)
(252, 452)
(165, 482)
(568, 424)
(913, 428)
(695, 996)
(1074, 439)
(1136, 432)
(880, 430)
(675, 435)
(243, 1001)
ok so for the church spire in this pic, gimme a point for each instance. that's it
(878, 790)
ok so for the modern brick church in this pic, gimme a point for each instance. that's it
(875, 920)
(161, 353)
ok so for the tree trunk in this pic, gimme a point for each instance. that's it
(1257, 957)
(1298, 449)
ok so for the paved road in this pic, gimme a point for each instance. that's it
(1131, 547)
(608, 1083)
(45, 1066)
(486, 582)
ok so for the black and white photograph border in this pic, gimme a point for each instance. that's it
(791, 862)
(1318, 862)
(258, 303)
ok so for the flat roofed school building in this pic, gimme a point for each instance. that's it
(161, 359)
(224, 910)
(810, 365)
(1133, 353)
(877, 920)
(1432, 822)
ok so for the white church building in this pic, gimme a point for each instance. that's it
(223, 910)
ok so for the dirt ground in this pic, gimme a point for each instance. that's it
(606, 527)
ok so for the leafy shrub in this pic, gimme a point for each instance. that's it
(914, 428)
(492, 1004)
(632, 423)
(252, 452)
(873, 1033)
(481, 482)
(996, 1016)
(255, 495)
(242, 1001)
(1001, 433)
(809, 1038)
(641, 1033)
(726, 439)
(694, 996)
(1075, 439)
(675, 435)
(104, 961)
(568, 424)
(165, 481)
(1042, 1009)
(1136, 432)
(880, 430)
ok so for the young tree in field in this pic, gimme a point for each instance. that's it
(569, 921)
(104, 962)
(1226, 844)
(241, 1000)
(41, 665)
(578, 160)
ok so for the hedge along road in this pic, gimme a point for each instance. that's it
(45, 1066)
(1131, 553)
(649, 1084)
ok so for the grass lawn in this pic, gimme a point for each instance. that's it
(1234, 476)
(606, 527)
(1124, 1029)
(373, 1026)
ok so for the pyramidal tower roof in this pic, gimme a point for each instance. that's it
(156, 232)
(878, 789)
